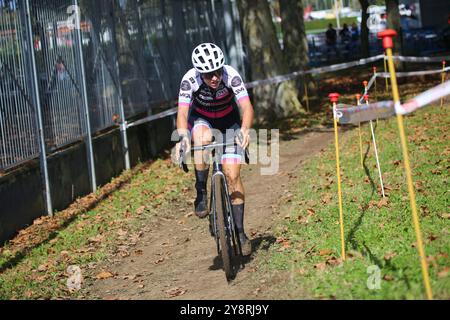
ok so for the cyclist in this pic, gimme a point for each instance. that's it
(210, 94)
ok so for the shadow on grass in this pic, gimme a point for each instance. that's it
(351, 234)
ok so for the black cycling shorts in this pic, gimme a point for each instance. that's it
(231, 155)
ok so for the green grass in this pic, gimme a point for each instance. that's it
(323, 23)
(40, 271)
(308, 247)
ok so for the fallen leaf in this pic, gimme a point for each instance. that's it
(96, 239)
(388, 277)
(425, 211)
(104, 275)
(397, 162)
(443, 273)
(384, 202)
(333, 261)
(140, 210)
(326, 199)
(389, 256)
(325, 252)
(436, 171)
(42, 268)
(175, 292)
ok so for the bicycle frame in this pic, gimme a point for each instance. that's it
(219, 177)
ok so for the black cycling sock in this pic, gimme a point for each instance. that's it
(238, 215)
(201, 179)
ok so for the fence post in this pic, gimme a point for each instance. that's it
(123, 122)
(443, 79)
(88, 140)
(38, 113)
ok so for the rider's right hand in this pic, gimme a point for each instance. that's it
(184, 144)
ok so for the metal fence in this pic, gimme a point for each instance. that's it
(72, 68)
(17, 117)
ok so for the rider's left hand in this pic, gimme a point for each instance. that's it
(243, 139)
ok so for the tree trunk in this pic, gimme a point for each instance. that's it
(266, 60)
(295, 49)
(393, 22)
(365, 51)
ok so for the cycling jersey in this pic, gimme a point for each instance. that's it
(212, 103)
(215, 108)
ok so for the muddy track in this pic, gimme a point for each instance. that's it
(176, 257)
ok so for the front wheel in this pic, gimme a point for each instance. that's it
(222, 229)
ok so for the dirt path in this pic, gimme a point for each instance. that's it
(176, 257)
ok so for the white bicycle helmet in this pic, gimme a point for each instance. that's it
(207, 57)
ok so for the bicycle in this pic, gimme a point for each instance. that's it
(221, 220)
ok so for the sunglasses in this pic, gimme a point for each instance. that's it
(210, 75)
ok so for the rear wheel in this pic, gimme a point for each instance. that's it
(223, 230)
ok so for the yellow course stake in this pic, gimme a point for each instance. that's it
(334, 97)
(443, 79)
(358, 97)
(385, 70)
(388, 45)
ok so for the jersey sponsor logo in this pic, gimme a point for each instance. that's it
(203, 97)
(186, 86)
(236, 82)
(239, 91)
(192, 80)
(222, 93)
(185, 95)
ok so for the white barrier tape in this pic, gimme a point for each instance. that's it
(335, 67)
(425, 98)
(345, 65)
(413, 73)
(123, 126)
(161, 115)
(347, 114)
(420, 59)
(340, 66)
